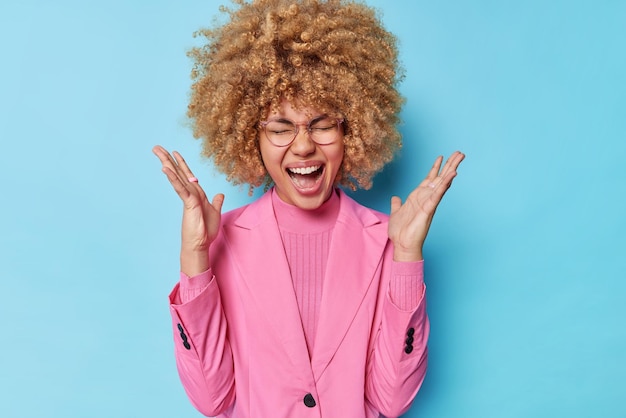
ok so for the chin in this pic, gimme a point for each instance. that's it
(310, 202)
(306, 201)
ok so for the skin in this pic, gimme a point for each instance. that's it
(302, 153)
(409, 221)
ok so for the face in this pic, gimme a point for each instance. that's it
(303, 172)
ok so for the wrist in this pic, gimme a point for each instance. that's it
(407, 255)
(194, 262)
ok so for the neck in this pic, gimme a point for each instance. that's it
(293, 218)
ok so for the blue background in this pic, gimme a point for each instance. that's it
(525, 258)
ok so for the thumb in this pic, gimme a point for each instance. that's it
(396, 202)
(218, 201)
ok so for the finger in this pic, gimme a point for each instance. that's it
(187, 177)
(167, 160)
(434, 170)
(176, 183)
(431, 179)
(442, 183)
(163, 155)
(446, 181)
(441, 189)
(447, 166)
(452, 163)
(186, 171)
(459, 159)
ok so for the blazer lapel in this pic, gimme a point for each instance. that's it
(356, 249)
(267, 276)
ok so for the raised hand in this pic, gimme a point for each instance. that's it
(409, 222)
(201, 218)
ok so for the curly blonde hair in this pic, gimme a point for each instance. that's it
(333, 56)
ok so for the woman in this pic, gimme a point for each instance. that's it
(303, 303)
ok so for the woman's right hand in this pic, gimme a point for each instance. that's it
(201, 218)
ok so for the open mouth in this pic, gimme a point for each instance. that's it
(306, 178)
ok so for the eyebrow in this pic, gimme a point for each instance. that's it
(315, 119)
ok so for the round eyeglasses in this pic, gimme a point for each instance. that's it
(281, 132)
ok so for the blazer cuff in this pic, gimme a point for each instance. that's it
(406, 287)
(189, 288)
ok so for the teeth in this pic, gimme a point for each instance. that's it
(304, 170)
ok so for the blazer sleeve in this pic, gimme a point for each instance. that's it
(203, 354)
(397, 362)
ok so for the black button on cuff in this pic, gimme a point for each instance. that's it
(183, 336)
(309, 401)
(408, 348)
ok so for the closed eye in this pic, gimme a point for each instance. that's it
(322, 128)
(281, 131)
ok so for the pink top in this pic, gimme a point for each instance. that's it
(306, 238)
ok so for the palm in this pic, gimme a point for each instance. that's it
(201, 219)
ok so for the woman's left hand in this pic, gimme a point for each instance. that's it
(409, 222)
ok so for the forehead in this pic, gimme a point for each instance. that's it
(295, 111)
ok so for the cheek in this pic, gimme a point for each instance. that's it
(270, 157)
(337, 156)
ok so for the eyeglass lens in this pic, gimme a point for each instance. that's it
(282, 132)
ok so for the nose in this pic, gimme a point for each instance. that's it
(302, 145)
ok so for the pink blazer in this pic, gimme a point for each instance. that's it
(240, 347)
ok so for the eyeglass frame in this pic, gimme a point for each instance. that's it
(263, 124)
